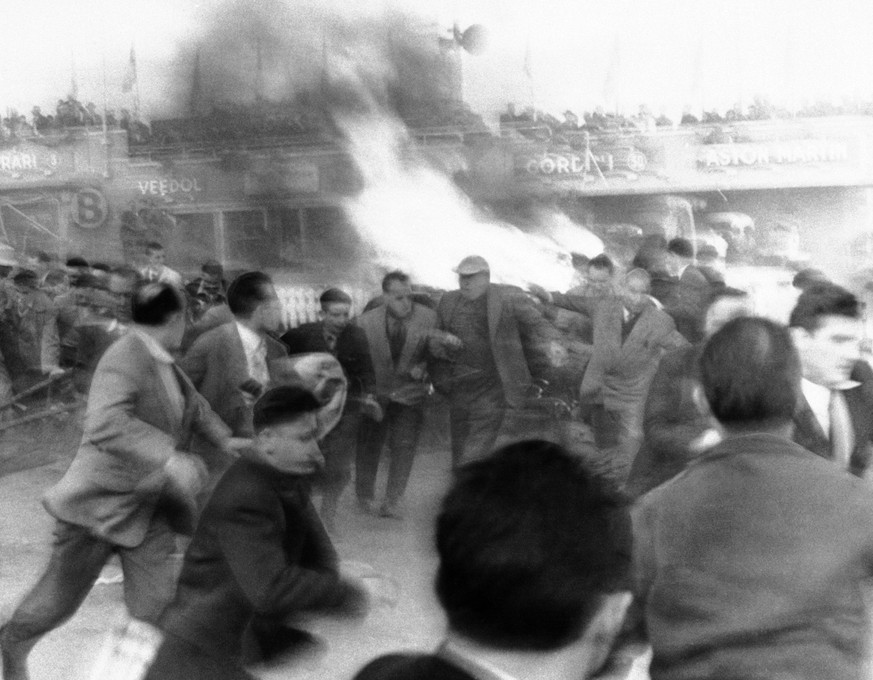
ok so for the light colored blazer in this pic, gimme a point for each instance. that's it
(116, 479)
(391, 378)
(216, 364)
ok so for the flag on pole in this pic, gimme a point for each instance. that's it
(74, 83)
(130, 72)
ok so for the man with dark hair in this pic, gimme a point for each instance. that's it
(397, 337)
(131, 484)
(835, 414)
(630, 335)
(230, 365)
(334, 333)
(260, 553)
(687, 299)
(677, 425)
(493, 340)
(534, 555)
(157, 270)
(751, 562)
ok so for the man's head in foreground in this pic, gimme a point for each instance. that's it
(285, 425)
(750, 372)
(534, 552)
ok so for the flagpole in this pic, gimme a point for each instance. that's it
(105, 126)
(135, 82)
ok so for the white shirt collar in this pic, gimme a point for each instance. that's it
(251, 341)
(153, 346)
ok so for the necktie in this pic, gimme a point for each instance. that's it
(396, 337)
(841, 435)
(259, 365)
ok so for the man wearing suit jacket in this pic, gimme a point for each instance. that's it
(630, 336)
(335, 334)
(677, 424)
(834, 418)
(397, 336)
(493, 340)
(131, 482)
(230, 365)
(687, 301)
(260, 553)
(753, 561)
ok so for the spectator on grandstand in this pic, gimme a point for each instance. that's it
(534, 553)
(157, 270)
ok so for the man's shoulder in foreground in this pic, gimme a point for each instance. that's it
(411, 666)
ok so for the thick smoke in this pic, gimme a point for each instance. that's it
(303, 53)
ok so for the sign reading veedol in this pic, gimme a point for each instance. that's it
(168, 187)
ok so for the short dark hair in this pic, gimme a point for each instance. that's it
(332, 295)
(151, 246)
(750, 372)
(282, 405)
(154, 303)
(247, 292)
(396, 275)
(77, 261)
(824, 299)
(213, 268)
(529, 540)
(602, 261)
(681, 247)
(806, 278)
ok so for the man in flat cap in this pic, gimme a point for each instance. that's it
(494, 339)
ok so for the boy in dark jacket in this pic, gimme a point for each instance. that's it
(259, 552)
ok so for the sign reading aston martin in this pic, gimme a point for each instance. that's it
(773, 153)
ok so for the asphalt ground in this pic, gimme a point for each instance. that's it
(33, 458)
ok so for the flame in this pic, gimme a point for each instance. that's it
(419, 221)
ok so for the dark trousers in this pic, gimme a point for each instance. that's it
(475, 417)
(178, 659)
(400, 429)
(75, 563)
(339, 448)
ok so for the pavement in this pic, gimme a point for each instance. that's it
(34, 458)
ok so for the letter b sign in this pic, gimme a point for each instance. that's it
(89, 208)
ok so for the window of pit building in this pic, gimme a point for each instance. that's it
(248, 242)
(194, 241)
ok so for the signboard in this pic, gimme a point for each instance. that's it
(89, 208)
(281, 177)
(30, 161)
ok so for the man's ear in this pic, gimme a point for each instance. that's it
(799, 336)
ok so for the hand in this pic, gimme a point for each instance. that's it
(418, 372)
(705, 441)
(55, 371)
(186, 474)
(371, 408)
(539, 292)
(236, 445)
(452, 341)
(557, 354)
